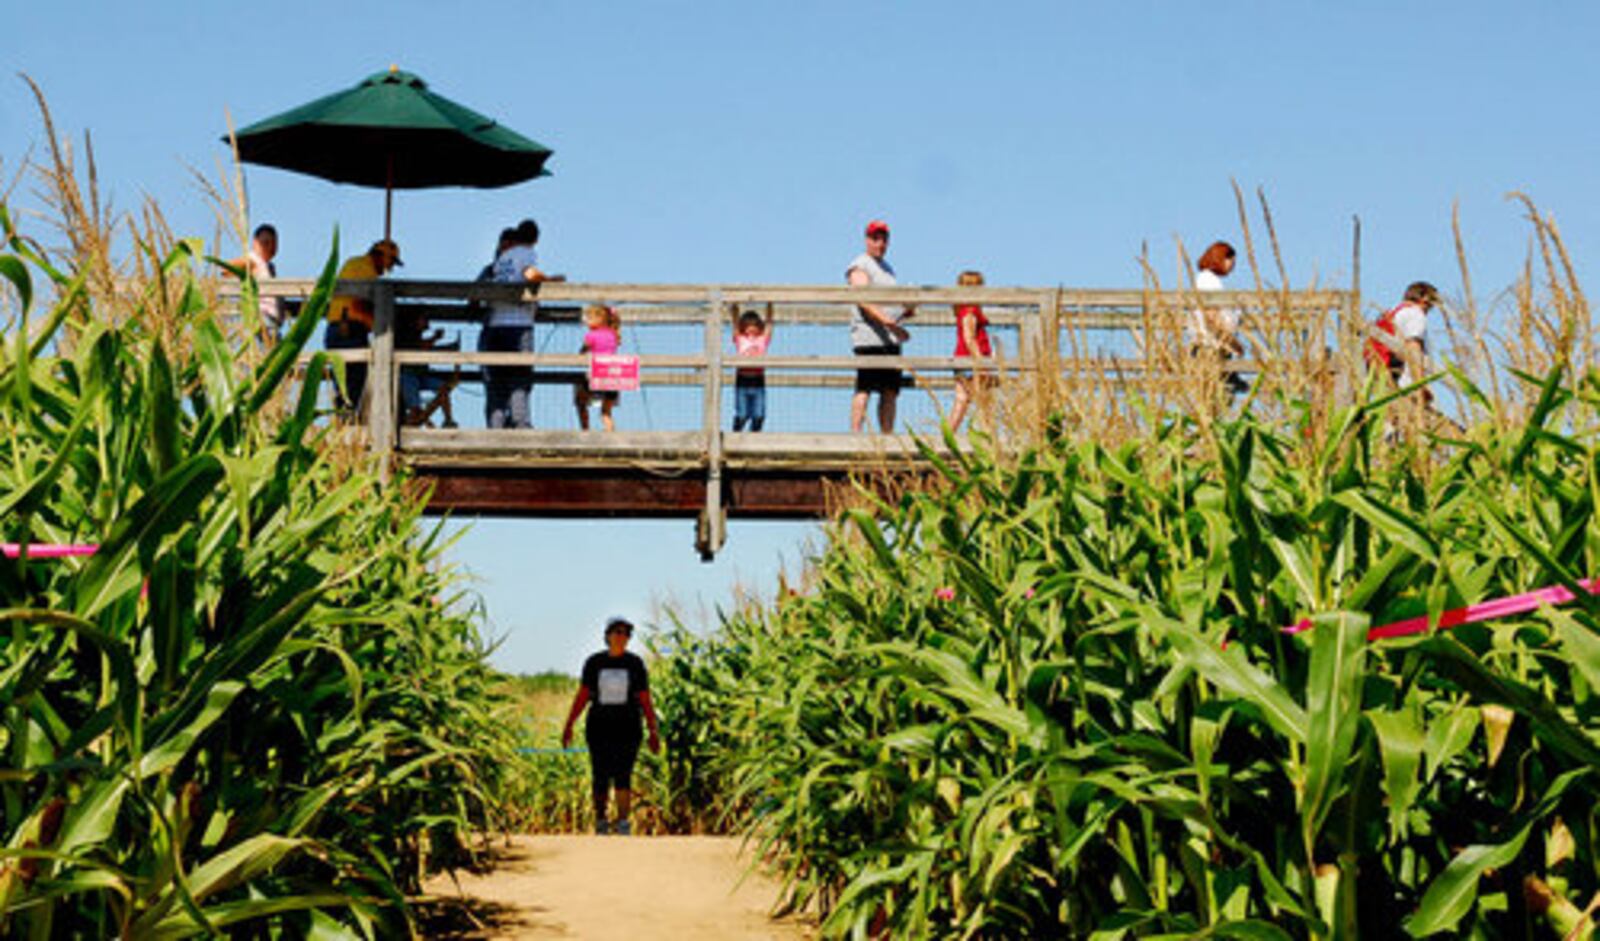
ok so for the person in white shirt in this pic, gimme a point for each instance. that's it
(1399, 338)
(1214, 331)
(1411, 327)
(257, 263)
(508, 390)
(875, 332)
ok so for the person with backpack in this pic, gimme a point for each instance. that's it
(1398, 338)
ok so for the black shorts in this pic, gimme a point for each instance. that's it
(878, 380)
(582, 393)
(611, 763)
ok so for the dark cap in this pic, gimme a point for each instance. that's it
(388, 249)
(618, 623)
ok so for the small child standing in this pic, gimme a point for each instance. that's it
(751, 337)
(603, 337)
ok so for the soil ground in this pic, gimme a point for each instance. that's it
(602, 887)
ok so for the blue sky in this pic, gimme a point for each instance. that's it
(748, 142)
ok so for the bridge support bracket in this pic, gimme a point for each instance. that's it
(710, 532)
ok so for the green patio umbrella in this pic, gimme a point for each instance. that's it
(391, 131)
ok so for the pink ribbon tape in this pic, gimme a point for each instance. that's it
(1482, 611)
(46, 550)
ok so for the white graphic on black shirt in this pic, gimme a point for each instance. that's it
(613, 685)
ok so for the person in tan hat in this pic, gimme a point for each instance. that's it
(350, 318)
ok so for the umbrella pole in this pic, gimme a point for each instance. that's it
(388, 193)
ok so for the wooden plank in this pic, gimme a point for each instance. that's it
(812, 451)
(1072, 299)
(438, 447)
(658, 361)
(349, 356)
(799, 372)
(424, 445)
(928, 315)
(579, 360)
(466, 313)
(688, 379)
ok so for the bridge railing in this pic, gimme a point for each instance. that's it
(680, 419)
(682, 337)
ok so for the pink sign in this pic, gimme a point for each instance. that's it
(613, 372)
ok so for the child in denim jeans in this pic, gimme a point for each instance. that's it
(751, 337)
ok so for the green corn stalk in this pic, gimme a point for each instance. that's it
(1051, 698)
(250, 709)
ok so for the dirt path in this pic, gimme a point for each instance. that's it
(634, 888)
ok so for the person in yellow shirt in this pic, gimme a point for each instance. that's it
(350, 318)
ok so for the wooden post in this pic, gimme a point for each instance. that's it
(1040, 340)
(1034, 333)
(712, 529)
(383, 379)
(1353, 302)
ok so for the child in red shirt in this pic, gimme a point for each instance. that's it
(972, 341)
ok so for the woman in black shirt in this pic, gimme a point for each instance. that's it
(616, 689)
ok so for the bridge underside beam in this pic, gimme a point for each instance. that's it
(625, 492)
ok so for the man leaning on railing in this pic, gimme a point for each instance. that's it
(350, 319)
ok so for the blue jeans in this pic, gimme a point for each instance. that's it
(415, 380)
(749, 404)
(508, 390)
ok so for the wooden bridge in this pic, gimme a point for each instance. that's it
(674, 455)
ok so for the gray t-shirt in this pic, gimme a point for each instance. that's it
(866, 333)
(507, 269)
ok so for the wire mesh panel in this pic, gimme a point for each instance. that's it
(809, 376)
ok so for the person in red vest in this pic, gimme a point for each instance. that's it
(1398, 344)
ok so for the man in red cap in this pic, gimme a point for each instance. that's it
(874, 332)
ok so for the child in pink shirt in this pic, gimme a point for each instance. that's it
(604, 336)
(751, 337)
